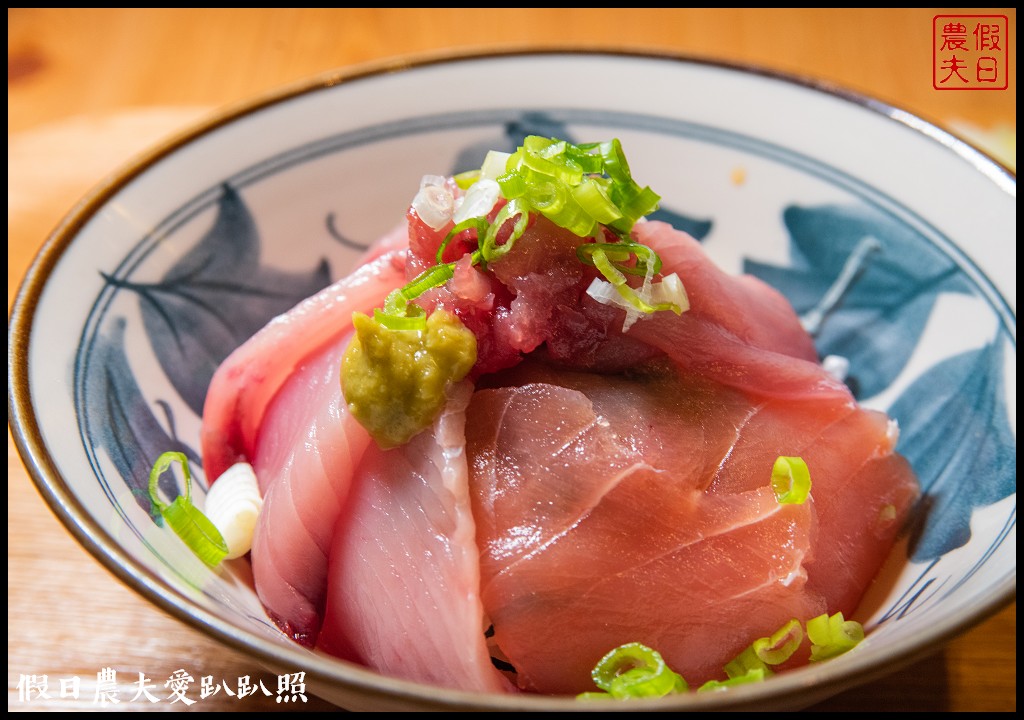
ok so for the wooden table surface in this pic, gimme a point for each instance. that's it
(89, 88)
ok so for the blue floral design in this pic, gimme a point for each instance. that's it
(955, 433)
(955, 428)
(216, 297)
(124, 424)
(881, 317)
(207, 304)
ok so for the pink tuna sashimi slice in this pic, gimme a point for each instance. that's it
(595, 510)
(606, 515)
(862, 489)
(863, 495)
(738, 330)
(276, 403)
(304, 457)
(247, 381)
(756, 314)
(403, 590)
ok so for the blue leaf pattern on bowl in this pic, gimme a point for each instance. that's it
(122, 422)
(214, 298)
(956, 434)
(881, 317)
(954, 421)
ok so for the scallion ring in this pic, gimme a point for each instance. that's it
(187, 521)
(515, 212)
(833, 635)
(635, 670)
(791, 480)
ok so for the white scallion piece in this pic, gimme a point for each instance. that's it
(837, 366)
(233, 504)
(494, 165)
(604, 292)
(666, 294)
(433, 180)
(434, 202)
(670, 291)
(892, 431)
(478, 201)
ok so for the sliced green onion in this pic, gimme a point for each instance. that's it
(512, 184)
(515, 211)
(546, 147)
(495, 163)
(635, 670)
(633, 207)
(465, 180)
(400, 322)
(395, 303)
(593, 198)
(791, 480)
(832, 636)
(599, 258)
(618, 281)
(780, 645)
(428, 280)
(398, 314)
(636, 301)
(647, 261)
(594, 696)
(556, 166)
(187, 521)
(616, 201)
(548, 197)
(479, 224)
(744, 663)
(614, 161)
(764, 652)
(571, 216)
(751, 676)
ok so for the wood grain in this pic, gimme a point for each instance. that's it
(87, 89)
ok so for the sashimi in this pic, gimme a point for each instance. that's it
(514, 438)
(304, 455)
(534, 300)
(276, 403)
(404, 583)
(247, 381)
(738, 330)
(609, 514)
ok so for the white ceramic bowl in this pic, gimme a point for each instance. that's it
(777, 176)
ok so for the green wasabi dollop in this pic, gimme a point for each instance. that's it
(395, 381)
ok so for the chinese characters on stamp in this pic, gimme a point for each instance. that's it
(969, 52)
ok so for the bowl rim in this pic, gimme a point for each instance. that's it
(57, 493)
